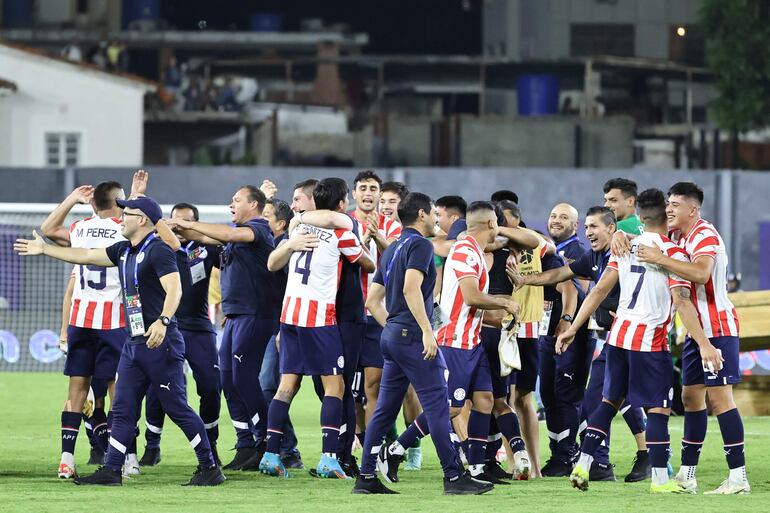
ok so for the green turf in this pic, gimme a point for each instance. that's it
(29, 456)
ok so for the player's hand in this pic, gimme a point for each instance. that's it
(429, 345)
(514, 276)
(372, 224)
(63, 342)
(139, 183)
(564, 340)
(155, 334)
(712, 359)
(513, 308)
(83, 194)
(649, 254)
(620, 244)
(303, 241)
(562, 327)
(269, 189)
(26, 247)
(177, 224)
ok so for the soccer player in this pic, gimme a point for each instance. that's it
(620, 197)
(639, 366)
(405, 280)
(376, 234)
(393, 193)
(251, 305)
(153, 351)
(707, 270)
(464, 299)
(195, 262)
(302, 197)
(311, 344)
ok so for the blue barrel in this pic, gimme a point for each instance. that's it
(538, 95)
(266, 22)
(18, 13)
(139, 10)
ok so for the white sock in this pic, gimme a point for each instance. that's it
(687, 472)
(476, 469)
(585, 461)
(131, 459)
(659, 476)
(68, 458)
(737, 475)
(396, 449)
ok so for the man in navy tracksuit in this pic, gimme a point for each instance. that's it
(153, 354)
(195, 261)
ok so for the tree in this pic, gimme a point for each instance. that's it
(737, 35)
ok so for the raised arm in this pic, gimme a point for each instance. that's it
(299, 241)
(549, 277)
(520, 238)
(53, 226)
(166, 235)
(698, 271)
(36, 246)
(323, 219)
(218, 234)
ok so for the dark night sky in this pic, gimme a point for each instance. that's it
(394, 26)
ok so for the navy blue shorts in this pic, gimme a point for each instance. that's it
(311, 351)
(468, 373)
(525, 379)
(93, 352)
(692, 364)
(644, 379)
(371, 353)
(490, 339)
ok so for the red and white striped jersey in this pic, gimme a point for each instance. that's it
(645, 309)
(463, 326)
(389, 229)
(311, 287)
(97, 300)
(716, 311)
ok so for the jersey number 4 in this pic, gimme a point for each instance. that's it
(95, 285)
(640, 270)
(306, 257)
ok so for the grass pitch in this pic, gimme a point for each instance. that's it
(30, 445)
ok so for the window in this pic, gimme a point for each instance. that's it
(62, 149)
(601, 39)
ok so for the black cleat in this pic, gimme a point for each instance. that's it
(150, 458)
(370, 486)
(252, 464)
(102, 477)
(293, 460)
(388, 463)
(96, 457)
(242, 455)
(490, 478)
(211, 476)
(641, 469)
(465, 485)
(494, 468)
(556, 468)
(601, 472)
(214, 454)
(351, 467)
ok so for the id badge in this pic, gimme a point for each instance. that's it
(545, 322)
(197, 272)
(135, 319)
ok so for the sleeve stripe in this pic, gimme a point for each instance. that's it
(708, 241)
(710, 254)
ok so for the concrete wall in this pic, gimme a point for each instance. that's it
(54, 96)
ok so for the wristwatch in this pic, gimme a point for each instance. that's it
(567, 317)
(165, 320)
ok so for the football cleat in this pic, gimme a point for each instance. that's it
(330, 468)
(689, 485)
(521, 466)
(66, 471)
(579, 478)
(729, 487)
(413, 458)
(671, 486)
(272, 465)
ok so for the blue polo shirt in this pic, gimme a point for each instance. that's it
(198, 259)
(567, 251)
(350, 295)
(591, 265)
(248, 288)
(412, 251)
(148, 261)
(456, 229)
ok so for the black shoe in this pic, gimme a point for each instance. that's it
(599, 472)
(350, 467)
(371, 485)
(494, 468)
(293, 460)
(150, 458)
(641, 469)
(388, 464)
(490, 478)
(465, 485)
(556, 468)
(252, 464)
(242, 455)
(214, 454)
(102, 477)
(96, 457)
(211, 476)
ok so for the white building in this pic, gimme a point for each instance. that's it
(58, 113)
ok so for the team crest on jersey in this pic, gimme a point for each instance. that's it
(525, 257)
(471, 260)
(140, 258)
(341, 362)
(459, 394)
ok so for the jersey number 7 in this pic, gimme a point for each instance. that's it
(637, 269)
